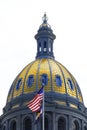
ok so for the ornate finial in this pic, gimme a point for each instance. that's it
(44, 18)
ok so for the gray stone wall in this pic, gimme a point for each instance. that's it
(53, 114)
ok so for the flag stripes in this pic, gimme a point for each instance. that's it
(35, 103)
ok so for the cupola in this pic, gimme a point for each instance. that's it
(45, 39)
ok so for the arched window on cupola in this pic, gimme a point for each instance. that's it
(45, 46)
(39, 46)
(27, 124)
(13, 125)
(75, 125)
(50, 48)
(61, 123)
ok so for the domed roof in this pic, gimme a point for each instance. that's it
(61, 85)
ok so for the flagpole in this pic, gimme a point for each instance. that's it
(43, 109)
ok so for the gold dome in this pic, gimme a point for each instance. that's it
(61, 87)
(51, 68)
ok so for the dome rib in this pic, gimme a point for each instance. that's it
(14, 84)
(26, 76)
(50, 75)
(15, 94)
(63, 77)
(77, 89)
(74, 84)
(38, 74)
(70, 75)
(10, 94)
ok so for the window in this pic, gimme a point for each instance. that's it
(4, 128)
(58, 81)
(30, 81)
(46, 122)
(49, 49)
(61, 123)
(75, 125)
(85, 127)
(27, 124)
(50, 45)
(45, 48)
(44, 79)
(40, 47)
(70, 84)
(18, 84)
(13, 125)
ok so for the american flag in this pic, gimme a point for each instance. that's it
(35, 103)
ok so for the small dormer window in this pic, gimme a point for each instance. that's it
(30, 81)
(44, 79)
(70, 84)
(18, 84)
(58, 80)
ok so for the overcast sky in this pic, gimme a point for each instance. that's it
(19, 22)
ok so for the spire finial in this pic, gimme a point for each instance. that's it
(45, 18)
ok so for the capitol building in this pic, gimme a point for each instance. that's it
(63, 101)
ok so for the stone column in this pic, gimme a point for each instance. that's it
(7, 125)
(70, 123)
(82, 124)
(34, 126)
(19, 123)
(53, 121)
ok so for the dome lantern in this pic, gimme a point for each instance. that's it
(45, 39)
